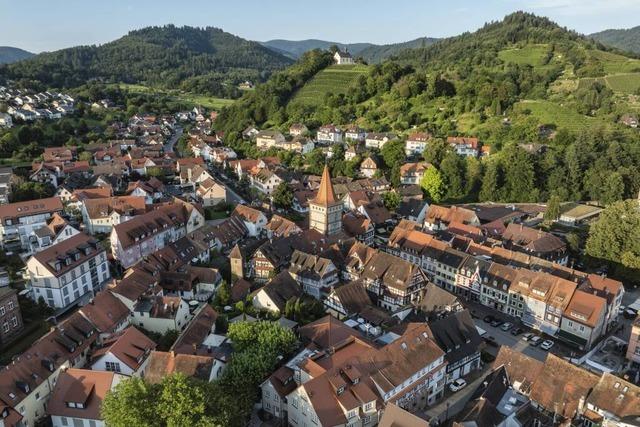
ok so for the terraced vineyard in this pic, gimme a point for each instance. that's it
(613, 63)
(334, 79)
(551, 113)
(628, 83)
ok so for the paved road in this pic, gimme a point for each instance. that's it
(232, 196)
(171, 142)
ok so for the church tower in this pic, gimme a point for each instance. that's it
(325, 211)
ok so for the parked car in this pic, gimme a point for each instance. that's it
(630, 313)
(491, 340)
(496, 322)
(457, 385)
(527, 336)
(622, 309)
(488, 318)
(546, 344)
(516, 331)
(534, 341)
(506, 326)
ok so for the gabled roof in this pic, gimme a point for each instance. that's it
(81, 386)
(353, 297)
(395, 416)
(562, 385)
(163, 363)
(62, 344)
(202, 324)
(457, 335)
(105, 311)
(69, 253)
(247, 213)
(532, 239)
(522, 369)
(326, 332)
(130, 346)
(31, 207)
(281, 289)
(616, 396)
(281, 226)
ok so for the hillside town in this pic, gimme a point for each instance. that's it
(405, 314)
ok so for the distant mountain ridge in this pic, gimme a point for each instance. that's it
(378, 53)
(625, 39)
(10, 54)
(295, 48)
(369, 51)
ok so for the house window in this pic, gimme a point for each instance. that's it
(64, 421)
(2, 310)
(112, 366)
(10, 305)
(5, 327)
(14, 321)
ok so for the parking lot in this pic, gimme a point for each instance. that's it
(515, 342)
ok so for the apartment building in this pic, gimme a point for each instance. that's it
(19, 220)
(145, 234)
(68, 272)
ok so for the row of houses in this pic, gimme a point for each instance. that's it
(576, 307)
(300, 140)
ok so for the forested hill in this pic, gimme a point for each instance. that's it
(378, 53)
(202, 60)
(12, 54)
(622, 39)
(549, 103)
(482, 47)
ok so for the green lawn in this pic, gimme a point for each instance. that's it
(210, 102)
(528, 55)
(551, 113)
(334, 79)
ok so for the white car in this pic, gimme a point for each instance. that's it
(546, 344)
(457, 385)
(534, 341)
(506, 326)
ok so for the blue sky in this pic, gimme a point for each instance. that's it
(39, 25)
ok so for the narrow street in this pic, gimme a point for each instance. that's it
(171, 142)
(453, 403)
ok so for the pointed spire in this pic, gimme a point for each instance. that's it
(326, 196)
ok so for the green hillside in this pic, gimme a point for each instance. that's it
(335, 79)
(203, 60)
